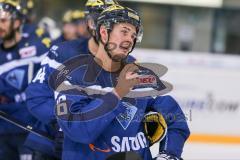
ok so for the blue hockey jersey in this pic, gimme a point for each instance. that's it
(60, 39)
(33, 30)
(40, 97)
(18, 66)
(96, 126)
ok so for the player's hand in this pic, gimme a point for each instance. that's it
(163, 155)
(4, 100)
(127, 79)
(155, 126)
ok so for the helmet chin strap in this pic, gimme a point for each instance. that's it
(106, 46)
(91, 31)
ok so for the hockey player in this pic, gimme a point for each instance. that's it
(80, 20)
(40, 97)
(97, 126)
(71, 20)
(28, 7)
(20, 58)
(30, 27)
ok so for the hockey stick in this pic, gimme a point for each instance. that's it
(25, 127)
(30, 72)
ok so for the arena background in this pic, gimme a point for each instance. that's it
(199, 42)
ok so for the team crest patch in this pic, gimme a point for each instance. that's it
(28, 52)
(15, 78)
(126, 117)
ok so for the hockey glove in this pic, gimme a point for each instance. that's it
(163, 155)
(155, 127)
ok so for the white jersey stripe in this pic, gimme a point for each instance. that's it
(20, 62)
(51, 62)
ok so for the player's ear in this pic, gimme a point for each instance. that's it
(104, 34)
(17, 24)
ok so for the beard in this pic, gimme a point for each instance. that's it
(119, 58)
(123, 47)
(9, 35)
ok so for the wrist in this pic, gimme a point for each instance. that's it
(116, 94)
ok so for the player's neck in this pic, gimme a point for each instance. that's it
(12, 42)
(105, 61)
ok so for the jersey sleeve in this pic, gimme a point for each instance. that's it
(178, 130)
(40, 97)
(84, 118)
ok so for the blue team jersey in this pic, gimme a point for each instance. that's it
(18, 66)
(40, 97)
(35, 31)
(97, 126)
(60, 39)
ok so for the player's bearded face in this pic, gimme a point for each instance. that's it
(121, 41)
(6, 25)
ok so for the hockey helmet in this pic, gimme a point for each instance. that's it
(119, 14)
(10, 9)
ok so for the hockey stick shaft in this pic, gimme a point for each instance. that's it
(30, 71)
(25, 127)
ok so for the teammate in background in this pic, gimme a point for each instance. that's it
(80, 19)
(49, 25)
(20, 57)
(40, 97)
(74, 26)
(97, 126)
(30, 27)
(28, 11)
(46, 148)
